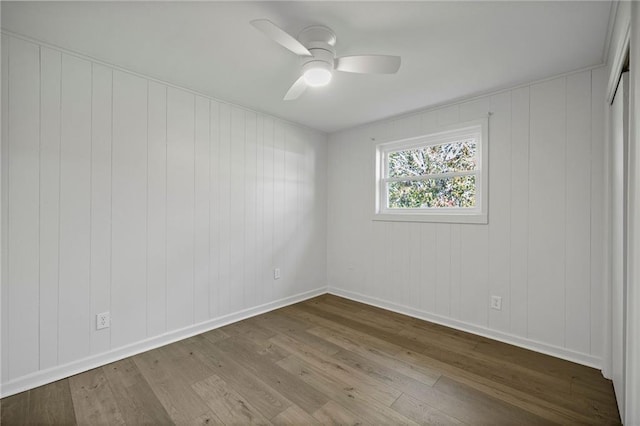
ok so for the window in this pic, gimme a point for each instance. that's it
(439, 177)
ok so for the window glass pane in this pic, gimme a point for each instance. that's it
(449, 157)
(458, 191)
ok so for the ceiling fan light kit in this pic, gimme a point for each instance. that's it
(316, 74)
(317, 69)
(315, 46)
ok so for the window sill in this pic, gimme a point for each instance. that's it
(431, 217)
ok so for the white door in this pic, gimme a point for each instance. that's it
(619, 158)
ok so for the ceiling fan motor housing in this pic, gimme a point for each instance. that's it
(320, 58)
(317, 34)
(320, 42)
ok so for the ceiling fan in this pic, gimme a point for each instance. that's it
(315, 45)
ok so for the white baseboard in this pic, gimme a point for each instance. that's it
(49, 375)
(43, 377)
(558, 352)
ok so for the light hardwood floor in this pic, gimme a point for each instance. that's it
(326, 361)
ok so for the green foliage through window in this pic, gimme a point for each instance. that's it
(449, 157)
(458, 191)
(436, 176)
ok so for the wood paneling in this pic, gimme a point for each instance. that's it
(328, 361)
(101, 213)
(500, 172)
(236, 209)
(269, 204)
(202, 181)
(443, 269)
(597, 212)
(157, 210)
(547, 207)
(125, 195)
(129, 209)
(50, 69)
(214, 208)
(279, 211)
(180, 208)
(250, 297)
(224, 183)
(4, 177)
(519, 220)
(261, 269)
(428, 269)
(74, 315)
(542, 248)
(23, 207)
(578, 213)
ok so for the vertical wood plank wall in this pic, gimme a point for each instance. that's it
(163, 207)
(542, 248)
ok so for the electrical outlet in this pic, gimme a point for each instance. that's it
(103, 320)
(276, 273)
(496, 303)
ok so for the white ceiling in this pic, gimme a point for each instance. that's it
(449, 49)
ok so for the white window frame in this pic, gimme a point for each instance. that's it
(477, 129)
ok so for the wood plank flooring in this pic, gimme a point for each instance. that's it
(327, 360)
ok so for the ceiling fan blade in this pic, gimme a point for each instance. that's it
(369, 64)
(296, 89)
(280, 36)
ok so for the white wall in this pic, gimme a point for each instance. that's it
(625, 39)
(632, 382)
(169, 210)
(164, 207)
(542, 249)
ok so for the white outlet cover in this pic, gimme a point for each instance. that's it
(496, 303)
(103, 320)
(276, 273)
